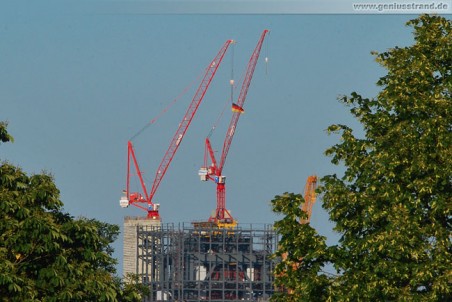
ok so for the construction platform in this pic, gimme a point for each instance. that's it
(202, 262)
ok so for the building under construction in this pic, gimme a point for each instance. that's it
(214, 260)
(201, 262)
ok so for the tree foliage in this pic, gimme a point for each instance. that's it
(392, 207)
(4, 136)
(303, 252)
(46, 254)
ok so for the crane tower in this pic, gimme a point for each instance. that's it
(214, 172)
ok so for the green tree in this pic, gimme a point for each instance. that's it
(303, 253)
(46, 254)
(4, 136)
(392, 207)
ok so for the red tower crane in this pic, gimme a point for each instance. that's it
(137, 198)
(222, 216)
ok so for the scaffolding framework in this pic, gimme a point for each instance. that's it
(201, 262)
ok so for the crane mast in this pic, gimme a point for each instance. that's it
(136, 198)
(222, 216)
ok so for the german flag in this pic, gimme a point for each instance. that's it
(237, 108)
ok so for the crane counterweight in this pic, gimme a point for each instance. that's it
(124, 202)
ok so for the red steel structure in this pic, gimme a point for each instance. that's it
(214, 171)
(145, 197)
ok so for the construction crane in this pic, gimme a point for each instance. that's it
(138, 198)
(309, 198)
(222, 217)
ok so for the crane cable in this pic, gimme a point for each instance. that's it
(231, 100)
(266, 53)
(231, 81)
(226, 105)
(168, 107)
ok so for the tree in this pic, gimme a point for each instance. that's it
(303, 253)
(392, 207)
(46, 254)
(4, 136)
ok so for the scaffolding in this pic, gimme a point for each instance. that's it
(201, 262)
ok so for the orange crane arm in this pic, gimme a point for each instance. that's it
(309, 197)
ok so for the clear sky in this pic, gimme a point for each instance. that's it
(76, 84)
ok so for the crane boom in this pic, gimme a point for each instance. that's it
(222, 215)
(186, 120)
(241, 99)
(134, 198)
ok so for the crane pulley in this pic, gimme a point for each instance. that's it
(145, 197)
(222, 216)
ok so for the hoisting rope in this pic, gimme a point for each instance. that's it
(226, 105)
(266, 53)
(231, 81)
(168, 107)
(234, 86)
(229, 102)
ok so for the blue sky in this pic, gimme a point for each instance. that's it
(75, 85)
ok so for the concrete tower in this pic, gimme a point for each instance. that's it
(131, 242)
